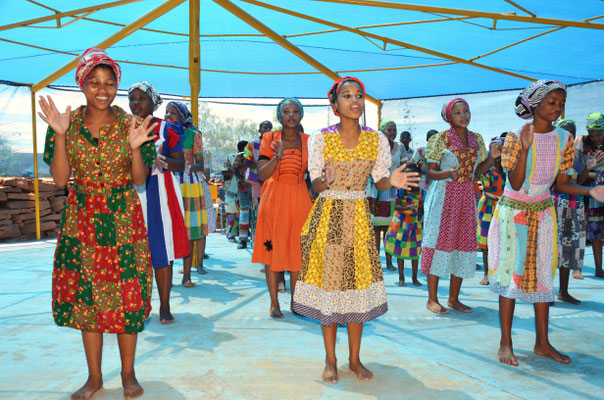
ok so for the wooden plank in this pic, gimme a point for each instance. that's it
(57, 203)
(3, 196)
(9, 189)
(21, 183)
(8, 232)
(30, 216)
(44, 226)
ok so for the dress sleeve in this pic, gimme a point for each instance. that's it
(49, 146)
(248, 152)
(198, 145)
(481, 147)
(567, 164)
(148, 152)
(510, 152)
(265, 145)
(435, 148)
(316, 160)
(381, 168)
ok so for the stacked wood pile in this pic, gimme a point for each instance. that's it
(17, 208)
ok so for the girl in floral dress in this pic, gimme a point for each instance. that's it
(102, 275)
(341, 279)
(523, 233)
(449, 237)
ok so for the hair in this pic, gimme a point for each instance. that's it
(504, 134)
(265, 122)
(412, 167)
(241, 145)
(300, 128)
(405, 133)
(431, 133)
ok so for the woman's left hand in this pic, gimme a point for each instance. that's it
(495, 150)
(141, 133)
(404, 180)
(597, 193)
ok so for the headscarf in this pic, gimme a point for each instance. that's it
(498, 139)
(335, 89)
(445, 112)
(564, 122)
(595, 121)
(289, 100)
(185, 114)
(529, 98)
(91, 58)
(384, 124)
(150, 90)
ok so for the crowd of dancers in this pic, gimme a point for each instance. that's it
(317, 206)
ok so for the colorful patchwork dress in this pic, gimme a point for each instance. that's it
(381, 202)
(341, 278)
(404, 236)
(523, 253)
(595, 209)
(199, 215)
(449, 236)
(492, 182)
(102, 275)
(161, 201)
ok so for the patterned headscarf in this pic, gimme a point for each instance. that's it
(289, 100)
(335, 89)
(529, 98)
(150, 90)
(185, 114)
(595, 121)
(498, 139)
(91, 58)
(564, 122)
(445, 112)
(384, 124)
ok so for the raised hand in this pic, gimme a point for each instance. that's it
(594, 159)
(526, 136)
(51, 115)
(328, 175)
(597, 192)
(495, 150)
(454, 173)
(404, 180)
(277, 147)
(141, 133)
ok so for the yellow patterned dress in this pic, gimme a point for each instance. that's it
(341, 278)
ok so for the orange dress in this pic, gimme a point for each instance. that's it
(284, 208)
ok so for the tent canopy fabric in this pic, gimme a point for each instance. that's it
(397, 50)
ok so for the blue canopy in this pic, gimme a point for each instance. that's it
(399, 50)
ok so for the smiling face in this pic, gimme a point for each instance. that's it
(350, 101)
(100, 87)
(290, 115)
(596, 136)
(405, 139)
(552, 106)
(460, 115)
(390, 132)
(172, 114)
(141, 104)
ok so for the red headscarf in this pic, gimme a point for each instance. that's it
(91, 58)
(446, 110)
(335, 89)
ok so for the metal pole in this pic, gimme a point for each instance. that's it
(36, 188)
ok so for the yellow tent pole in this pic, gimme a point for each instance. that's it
(194, 59)
(73, 13)
(250, 20)
(470, 13)
(36, 188)
(111, 40)
(379, 111)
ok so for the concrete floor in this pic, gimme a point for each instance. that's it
(223, 345)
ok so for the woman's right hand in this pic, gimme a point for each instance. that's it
(454, 173)
(277, 147)
(51, 115)
(594, 159)
(526, 136)
(328, 175)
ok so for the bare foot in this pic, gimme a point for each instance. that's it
(506, 355)
(91, 386)
(599, 274)
(459, 306)
(577, 274)
(549, 351)
(330, 372)
(568, 298)
(401, 282)
(416, 282)
(436, 308)
(165, 317)
(484, 281)
(181, 271)
(275, 312)
(362, 373)
(281, 287)
(200, 270)
(132, 390)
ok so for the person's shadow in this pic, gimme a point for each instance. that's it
(158, 390)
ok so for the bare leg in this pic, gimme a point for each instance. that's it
(281, 283)
(93, 347)
(401, 271)
(506, 316)
(355, 333)
(454, 289)
(485, 262)
(201, 248)
(415, 267)
(272, 282)
(596, 246)
(330, 372)
(163, 277)
(433, 304)
(563, 294)
(293, 278)
(127, 345)
(186, 262)
(542, 344)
